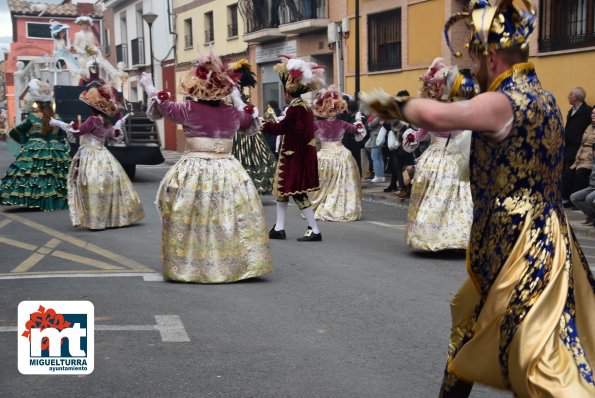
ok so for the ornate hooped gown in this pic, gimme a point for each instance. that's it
(37, 178)
(441, 209)
(214, 230)
(340, 194)
(254, 154)
(524, 320)
(100, 194)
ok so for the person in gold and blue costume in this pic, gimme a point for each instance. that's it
(523, 321)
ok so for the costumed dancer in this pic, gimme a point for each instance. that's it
(37, 178)
(252, 150)
(441, 208)
(340, 195)
(100, 194)
(297, 168)
(213, 226)
(91, 74)
(62, 46)
(523, 321)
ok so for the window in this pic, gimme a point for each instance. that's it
(188, 42)
(566, 24)
(39, 30)
(384, 40)
(209, 31)
(107, 41)
(232, 20)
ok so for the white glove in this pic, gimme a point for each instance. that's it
(359, 117)
(62, 125)
(255, 113)
(409, 141)
(361, 130)
(147, 82)
(236, 98)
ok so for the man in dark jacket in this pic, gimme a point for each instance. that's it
(579, 117)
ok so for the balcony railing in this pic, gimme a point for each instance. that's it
(138, 51)
(209, 36)
(122, 54)
(565, 42)
(188, 41)
(232, 30)
(259, 17)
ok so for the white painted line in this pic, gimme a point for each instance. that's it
(382, 224)
(4, 223)
(150, 277)
(170, 327)
(153, 277)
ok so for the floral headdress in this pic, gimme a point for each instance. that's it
(84, 19)
(329, 103)
(209, 79)
(102, 98)
(41, 91)
(444, 82)
(299, 76)
(496, 27)
(244, 69)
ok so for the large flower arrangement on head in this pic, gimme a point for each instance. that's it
(299, 76)
(209, 80)
(329, 103)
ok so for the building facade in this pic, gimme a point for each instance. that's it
(400, 38)
(130, 42)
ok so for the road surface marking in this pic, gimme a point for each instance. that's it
(170, 328)
(57, 238)
(382, 224)
(148, 277)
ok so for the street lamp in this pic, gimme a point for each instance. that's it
(149, 18)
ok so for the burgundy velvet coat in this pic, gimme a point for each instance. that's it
(297, 169)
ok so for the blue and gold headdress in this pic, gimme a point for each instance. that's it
(495, 27)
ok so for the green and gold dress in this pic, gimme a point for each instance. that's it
(38, 176)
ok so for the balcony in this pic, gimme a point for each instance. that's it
(261, 22)
(122, 54)
(209, 36)
(303, 16)
(232, 30)
(138, 51)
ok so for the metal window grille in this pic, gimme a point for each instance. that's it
(384, 40)
(566, 24)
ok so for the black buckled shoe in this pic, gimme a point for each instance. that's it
(276, 234)
(310, 236)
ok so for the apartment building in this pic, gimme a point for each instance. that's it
(399, 39)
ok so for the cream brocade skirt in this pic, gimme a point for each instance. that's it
(441, 208)
(340, 195)
(214, 230)
(100, 194)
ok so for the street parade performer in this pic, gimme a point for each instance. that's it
(523, 321)
(37, 178)
(213, 225)
(297, 168)
(340, 195)
(252, 150)
(100, 194)
(440, 210)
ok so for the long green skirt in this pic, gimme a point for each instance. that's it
(255, 155)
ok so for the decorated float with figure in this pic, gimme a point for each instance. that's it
(73, 68)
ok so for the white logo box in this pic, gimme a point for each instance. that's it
(77, 357)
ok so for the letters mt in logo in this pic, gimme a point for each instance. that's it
(56, 337)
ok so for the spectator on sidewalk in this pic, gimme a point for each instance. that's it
(577, 120)
(585, 198)
(375, 125)
(579, 172)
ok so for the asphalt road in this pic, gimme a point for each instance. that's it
(357, 315)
